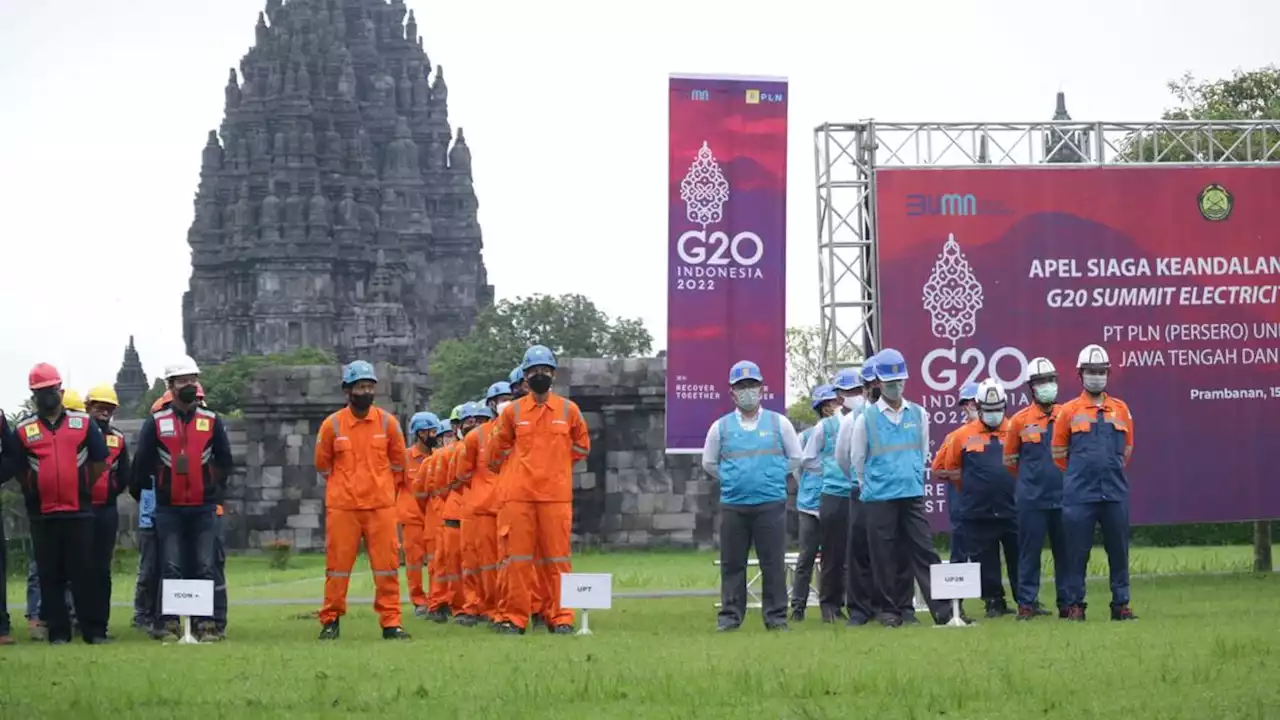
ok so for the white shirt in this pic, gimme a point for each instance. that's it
(851, 443)
(811, 458)
(790, 442)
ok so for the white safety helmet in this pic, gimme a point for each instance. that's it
(1093, 356)
(1040, 369)
(991, 395)
(184, 366)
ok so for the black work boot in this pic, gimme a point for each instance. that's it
(1122, 612)
(466, 620)
(440, 615)
(997, 608)
(1039, 608)
(508, 628)
(561, 630)
(797, 614)
(329, 631)
(395, 633)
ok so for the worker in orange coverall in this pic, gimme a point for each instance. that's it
(541, 435)
(361, 454)
(410, 510)
(479, 520)
(446, 596)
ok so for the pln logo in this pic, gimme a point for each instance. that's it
(952, 295)
(712, 255)
(755, 97)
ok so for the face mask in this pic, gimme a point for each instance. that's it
(48, 400)
(187, 394)
(748, 398)
(1095, 384)
(892, 390)
(855, 403)
(502, 405)
(970, 413)
(362, 401)
(433, 441)
(875, 394)
(1047, 393)
(103, 423)
(539, 383)
(992, 418)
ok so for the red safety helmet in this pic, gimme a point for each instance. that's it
(43, 376)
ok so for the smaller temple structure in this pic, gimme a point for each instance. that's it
(131, 381)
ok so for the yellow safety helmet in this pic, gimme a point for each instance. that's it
(103, 394)
(71, 400)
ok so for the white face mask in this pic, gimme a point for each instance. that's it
(992, 418)
(854, 403)
(970, 413)
(892, 390)
(502, 405)
(1046, 392)
(1094, 384)
(747, 398)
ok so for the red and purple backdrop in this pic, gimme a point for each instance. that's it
(727, 246)
(1175, 271)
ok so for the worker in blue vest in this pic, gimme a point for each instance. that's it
(833, 511)
(808, 492)
(1038, 491)
(887, 453)
(751, 451)
(859, 582)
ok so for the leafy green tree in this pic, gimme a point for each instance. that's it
(805, 367)
(1246, 95)
(571, 325)
(226, 384)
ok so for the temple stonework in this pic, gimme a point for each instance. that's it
(335, 207)
(131, 381)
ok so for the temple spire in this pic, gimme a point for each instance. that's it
(131, 381)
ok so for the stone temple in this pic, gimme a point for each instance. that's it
(335, 207)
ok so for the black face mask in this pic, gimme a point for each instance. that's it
(48, 400)
(104, 424)
(187, 394)
(875, 394)
(433, 442)
(362, 402)
(539, 383)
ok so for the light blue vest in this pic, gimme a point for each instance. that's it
(895, 456)
(147, 509)
(753, 464)
(810, 490)
(835, 482)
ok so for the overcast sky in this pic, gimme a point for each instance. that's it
(105, 106)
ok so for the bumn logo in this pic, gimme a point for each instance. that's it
(952, 295)
(952, 205)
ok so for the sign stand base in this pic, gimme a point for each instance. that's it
(187, 637)
(956, 620)
(586, 625)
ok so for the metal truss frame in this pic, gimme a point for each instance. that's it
(847, 156)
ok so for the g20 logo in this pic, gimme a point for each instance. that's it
(943, 376)
(696, 247)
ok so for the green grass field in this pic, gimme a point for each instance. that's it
(1194, 654)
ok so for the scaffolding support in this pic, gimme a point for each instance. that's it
(847, 155)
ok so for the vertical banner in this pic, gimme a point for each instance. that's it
(726, 244)
(1174, 270)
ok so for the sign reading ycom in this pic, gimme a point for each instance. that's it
(953, 205)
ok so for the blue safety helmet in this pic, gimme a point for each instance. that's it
(423, 421)
(821, 394)
(496, 389)
(868, 372)
(485, 411)
(470, 410)
(969, 391)
(745, 370)
(890, 365)
(358, 370)
(847, 379)
(516, 377)
(538, 355)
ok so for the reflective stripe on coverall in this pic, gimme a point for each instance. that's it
(424, 486)
(446, 582)
(479, 525)
(410, 516)
(362, 461)
(974, 461)
(541, 442)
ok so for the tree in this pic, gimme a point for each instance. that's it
(1246, 95)
(570, 325)
(226, 384)
(805, 368)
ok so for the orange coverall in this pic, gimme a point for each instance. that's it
(412, 536)
(446, 583)
(540, 442)
(362, 461)
(479, 525)
(424, 486)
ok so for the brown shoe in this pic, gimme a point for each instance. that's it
(7, 640)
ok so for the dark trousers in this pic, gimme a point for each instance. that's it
(64, 556)
(901, 549)
(5, 628)
(1078, 522)
(1033, 526)
(106, 525)
(810, 541)
(33, 593)
(833, 523)
(859, 581)
(984, 538)
(187, 544)
(219, 573)
(146, 597)
(763, 527)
